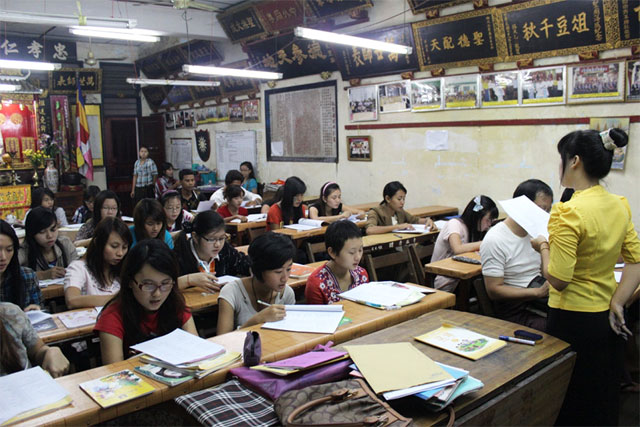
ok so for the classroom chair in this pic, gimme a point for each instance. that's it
(314, 248)
(255, 232)
(393, 259)
(485, 303)
(421, 255)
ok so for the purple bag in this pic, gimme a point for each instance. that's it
(273, 386)
(252, 351)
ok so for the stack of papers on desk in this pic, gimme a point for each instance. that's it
(175, 374)
(257, 217)
(383, 295)
(303, 362)
(305, 224)
(48, 282)
(417, 229)
(440, 397)
(319, 319)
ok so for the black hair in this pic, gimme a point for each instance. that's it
(203, 224)
(233, 175)
(185, 172)
(471, 216)
(339, 232)
(99, 202)
(567, 194)
(95, 251)
(158, 256)
(250, 166)
(391, 189)
(37, 194)
(148, 209)
(589, 145)
(90, 193)
(40, 219)
(270, 251)
(164, 167)
(18, 292)
(292, 187)
(231, 191)
(531, 188)
(173, 194)
(326, 189)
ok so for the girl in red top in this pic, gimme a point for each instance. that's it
(290, 208)
(344, 245)
(148, 305)
(232, 210)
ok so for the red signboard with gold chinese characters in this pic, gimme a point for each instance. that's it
(18, 125)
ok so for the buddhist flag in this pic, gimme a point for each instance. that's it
(83, 149)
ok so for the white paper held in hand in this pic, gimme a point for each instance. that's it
(527, 215)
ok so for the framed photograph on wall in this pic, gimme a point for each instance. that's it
(499, 89)
(251, 110)
(169, 121)
(596, 83)
(426, 95)
(359, 148)
(633, 80)
(222, 113)
(363, 103)
(461, 91)
(603, 123)
(235, 112)
(394, 97)
(542, 86)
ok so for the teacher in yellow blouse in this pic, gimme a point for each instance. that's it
(587, 234)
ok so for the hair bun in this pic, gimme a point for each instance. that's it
(620, 137)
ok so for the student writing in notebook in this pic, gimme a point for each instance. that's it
(329, 206)
(21, 348)
(343, 272)
(107, 204)
(463, 234)
(18, 285)
(43, 250)
(390, 215)
(207, 254)
(233, 209)
(261, 297)
(149, 222)
(290, 208)
(92, 281)
(234, 177)
(148, 305)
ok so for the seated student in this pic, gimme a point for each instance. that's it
(511, 267)
(107, 204)
(44, 197)
(84, 212)
(390, 215)
(234, 177)
(463, 234)
(277, 196)
(173, 211)
(43, 250)
(149, 222)
(329, 206)
(261, 297)
(207, 254)
(249, 183)
(233, 209)
(21, 347)
(148, 304)
(92, 281)
(165, 181)
(188, 194)
(344, 245)
(18, 285)
(290, 208)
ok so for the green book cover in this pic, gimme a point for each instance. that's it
(163, 375)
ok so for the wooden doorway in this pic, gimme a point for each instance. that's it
(121, 152)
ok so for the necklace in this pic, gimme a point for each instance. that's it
(255, 295)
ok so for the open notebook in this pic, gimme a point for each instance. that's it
(320, 319)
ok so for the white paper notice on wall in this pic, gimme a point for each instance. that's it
(277, 148)
(437, 140)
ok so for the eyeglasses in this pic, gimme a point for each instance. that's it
(219, 240)
(109, 209)
(173, 208)
(150, 287)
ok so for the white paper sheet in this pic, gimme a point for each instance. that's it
(71, 227)
(527, 215)
(49, 282)
(37, 316)
(277, 148)
(417, 229)
(301, 227)
(257, 217)
(437, 140)
(314, 307)
(319, 322)
(205, 205)
(179, 347)
(127, 218)
(383, 294)
(618, 276)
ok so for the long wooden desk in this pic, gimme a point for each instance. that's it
(523, 385)
(434, 211)
(379, 242)
(276, 345)
(52, 291)
(298, 236)
(239, 228)
(463, 271)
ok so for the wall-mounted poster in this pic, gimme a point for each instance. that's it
(426, 95)
(461, 91)
(542, 86)
(251, 110)
(633, 80)
(235, 111)
(394, 97)
(499, 89)
(596, 83)
(363, 103)
(169, 121)
(604, 123)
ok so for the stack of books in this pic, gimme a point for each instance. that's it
(384, 295)
(303, 362)
(172, 375)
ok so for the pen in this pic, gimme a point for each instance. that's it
(399, 236)
(517, 340)
(266, 304)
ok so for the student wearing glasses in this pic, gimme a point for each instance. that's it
(206, 254)
(106, 204)
(148, 304)
(173, 211)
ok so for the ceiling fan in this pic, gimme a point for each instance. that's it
(91, 59)
(186, 4)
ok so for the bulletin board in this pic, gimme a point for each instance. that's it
(181, 153)
(233, 148)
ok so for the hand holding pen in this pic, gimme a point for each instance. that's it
(273, 312)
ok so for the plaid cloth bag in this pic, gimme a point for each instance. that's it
(229, 404)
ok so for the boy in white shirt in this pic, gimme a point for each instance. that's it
(234, 177)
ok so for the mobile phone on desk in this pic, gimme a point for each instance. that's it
(520, 333)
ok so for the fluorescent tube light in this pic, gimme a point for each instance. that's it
(234, 72)
(6, 87)
(28, 65)
(326, 36)
(117, 33)
(64, 20)
(171, 82)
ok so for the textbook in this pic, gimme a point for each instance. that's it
(117, 388)
(198, 369)
(257, 217)
(77, 319)
(462, 342)
(383, 295)
(49, 282)
(163, 375)
(300, 271)
(28, 393)
(417, 229)
(305, 224)
(319, 319)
